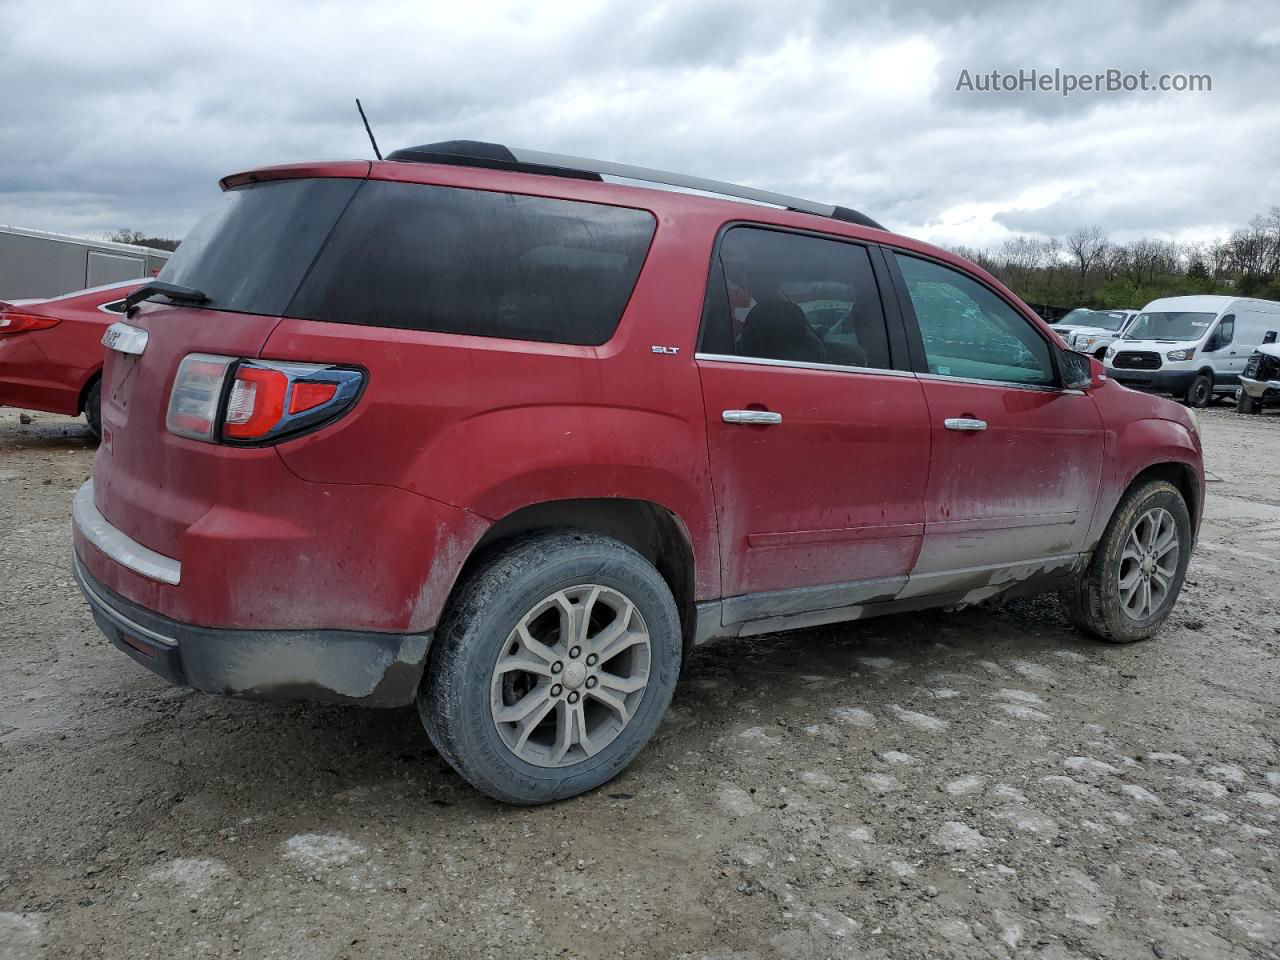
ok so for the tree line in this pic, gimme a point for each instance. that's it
(1085, 269)
(139, 239)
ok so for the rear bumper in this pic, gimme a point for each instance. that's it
(260, 549)
(341, 666)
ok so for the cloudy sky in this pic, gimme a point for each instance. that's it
(124, 115)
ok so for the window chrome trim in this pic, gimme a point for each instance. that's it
(1003, 384)
(877, 371)
(118, 545)
(800, 364)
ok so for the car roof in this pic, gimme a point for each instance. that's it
(1204, 303)
(660, 199)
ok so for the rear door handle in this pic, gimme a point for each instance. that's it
(760, 417)
(964, 423)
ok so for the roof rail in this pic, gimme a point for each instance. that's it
(476, 153)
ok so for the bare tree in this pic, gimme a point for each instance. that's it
(1087, 245)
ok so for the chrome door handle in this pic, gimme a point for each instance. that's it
(964, 423)
(760, 417)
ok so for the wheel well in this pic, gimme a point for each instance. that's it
(651, 530)
(84, 391)
(1182, 477)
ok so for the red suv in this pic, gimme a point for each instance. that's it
(480, 428)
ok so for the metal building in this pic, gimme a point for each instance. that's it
(35, 264)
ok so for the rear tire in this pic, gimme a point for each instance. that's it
(1102, 601)
(1200, 392)
(1246, 404)
(93, 408)
(599, 630)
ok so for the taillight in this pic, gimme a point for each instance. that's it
(229, 400)
(196, 397)
(13, 320)
(256, 403)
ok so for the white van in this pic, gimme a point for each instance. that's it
(1191, 347)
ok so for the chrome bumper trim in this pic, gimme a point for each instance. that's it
(117, 545)
(103, 606)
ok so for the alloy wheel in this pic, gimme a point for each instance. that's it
(571, 675)
(1148, 564)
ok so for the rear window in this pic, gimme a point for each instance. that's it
(250, 254)
(475, 262)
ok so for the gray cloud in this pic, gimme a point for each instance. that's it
(114, 121)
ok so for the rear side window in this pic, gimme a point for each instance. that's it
(474, 262)
(250, 254)
(793, 297)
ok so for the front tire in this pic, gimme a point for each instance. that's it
(93, 408)
(1246, 403)
(1200, 392)
(1135, 575)
(552, 667)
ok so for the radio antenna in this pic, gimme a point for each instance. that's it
(367, 129)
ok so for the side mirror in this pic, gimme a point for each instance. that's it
(1077, 370)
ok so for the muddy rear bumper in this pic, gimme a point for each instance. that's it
(340, 666)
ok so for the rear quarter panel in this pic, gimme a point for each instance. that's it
(492, 425)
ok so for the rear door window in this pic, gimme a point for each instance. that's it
(475, 262)
(785, 296)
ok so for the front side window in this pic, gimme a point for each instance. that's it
(476, 262)
(970, 332)
(792, 297)
(1225, 333)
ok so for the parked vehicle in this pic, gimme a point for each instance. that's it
(1079, 317)
(515, 464)
(51, 350)
(1260, 382)
(1107, 327)
(1193, 348)
(34, 263)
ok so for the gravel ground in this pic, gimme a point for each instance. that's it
(987, 783)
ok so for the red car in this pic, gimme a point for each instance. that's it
(51, 350)
(475, 427)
